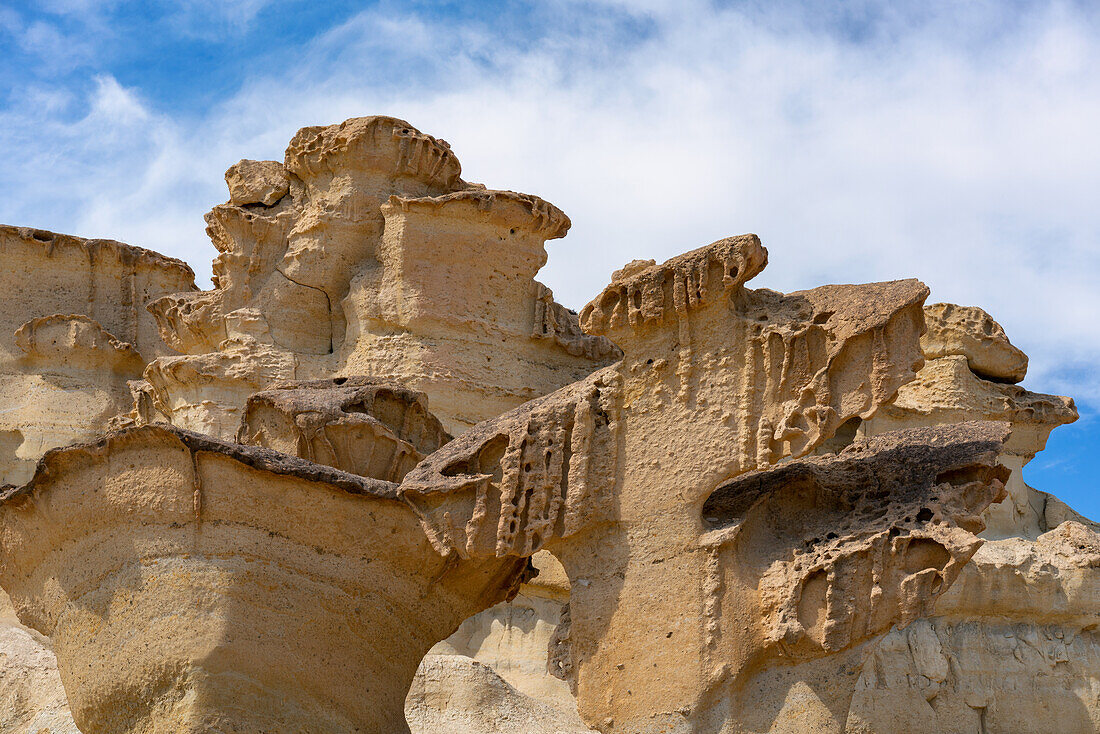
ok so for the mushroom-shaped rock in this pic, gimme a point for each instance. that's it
(971, 332)
(207, 392)
(355, 424)
(494, 239)
(69, 380)
(365, 253)
(193, 585)
(107, 281)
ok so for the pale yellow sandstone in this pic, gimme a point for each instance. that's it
(379, 261)
(1012, 647)
(512, 639)
(190, 585)
(972, 333)
(32, 700)
(355, 424)
(257, 182)
(453, 694)
(368, 304)
(946, 391)
(73, 331)
(611, 474)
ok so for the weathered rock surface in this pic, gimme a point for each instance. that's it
(821, 555)
(382, 431)
(32, 700)
(257, 182)
(355, 424)
(294, 579)
(970, 332)
(513, 637)
(450, 694)
(377, 260)
(189, 584)
(771, 561)
(1011, 647)
(73, 331)
(946, 391)
(453, 694)
(590, 467)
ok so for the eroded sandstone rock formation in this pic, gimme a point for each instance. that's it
(454, 694)
(577, 472)
(32, 700)
(73, 331)
(365, 253)
(378, 426)
(1016, 638)
(196, 585)
(360, 426)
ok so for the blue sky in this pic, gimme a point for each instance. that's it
(954, 142)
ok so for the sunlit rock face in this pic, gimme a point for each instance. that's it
(316, 497)
(372, 429)
(364, 253)
(1015, 639)
(189, 584)
(950, 388)
(74, 334)
(453, 694)
(1012, 647)
(612, 476)
(73, 331)
(32, 699)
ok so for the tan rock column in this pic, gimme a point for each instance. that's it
(366, 254)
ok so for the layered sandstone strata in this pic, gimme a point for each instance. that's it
(212, 529)
(1012, 647)
(32, 700)
(611, 473)
(453, 694)
(354, 424)
(74, 333)
(383, 431)
(968, 375)
(1016, 589)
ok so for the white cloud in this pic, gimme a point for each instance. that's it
(213, 20)
(955, 145)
